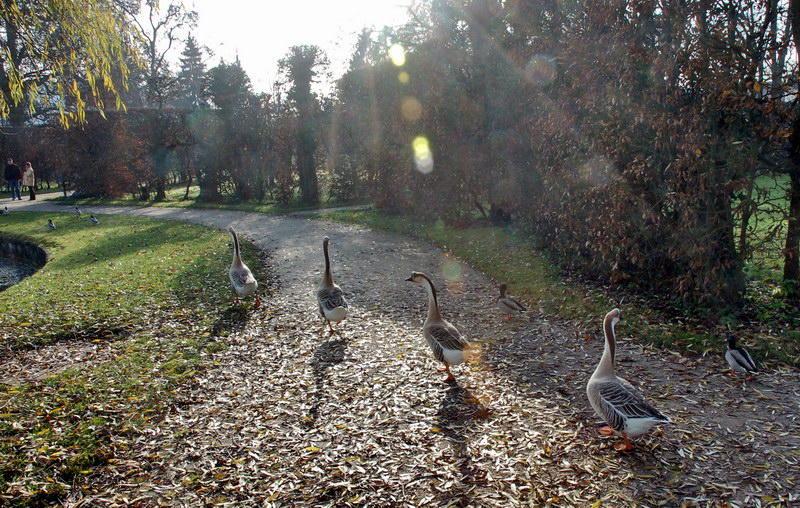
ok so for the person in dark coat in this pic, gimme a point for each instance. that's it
(13, 177)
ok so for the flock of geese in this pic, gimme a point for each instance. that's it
(614, 399)
(52, 225)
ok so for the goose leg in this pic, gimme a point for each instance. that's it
(330, 328)
(625, 445)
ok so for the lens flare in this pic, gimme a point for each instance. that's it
(403, 77)
(411, 109)
(596, 171)
(423, 158)
(397, 54)
(541, 69)
(451, 270)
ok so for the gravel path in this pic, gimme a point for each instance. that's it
(293, 416)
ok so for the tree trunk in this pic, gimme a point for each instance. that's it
(791, 256)
(791, 250)
(306, 146)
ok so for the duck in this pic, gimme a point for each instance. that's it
(739, 359)
(508, 305)
(242, 279)
(444, 339)
(332, 304)
(77, 211)
(94, 220)
(614, 399)
(4, 211)
(51, 224)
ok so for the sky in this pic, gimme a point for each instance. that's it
(261, 32)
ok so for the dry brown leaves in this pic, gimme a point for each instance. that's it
(294, 416)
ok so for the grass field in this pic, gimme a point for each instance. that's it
(175, 200)
(156, 291)
(508, 256)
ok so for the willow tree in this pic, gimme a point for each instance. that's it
(61, 55)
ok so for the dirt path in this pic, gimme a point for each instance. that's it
(291, 415)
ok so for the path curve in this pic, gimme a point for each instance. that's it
(291, 415)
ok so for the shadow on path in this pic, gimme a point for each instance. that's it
(458, 410)
(327, 355)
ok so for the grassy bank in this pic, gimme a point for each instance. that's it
(156, 292)
(508, 256)
(175, 199)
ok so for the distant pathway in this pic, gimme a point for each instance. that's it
(291, 415)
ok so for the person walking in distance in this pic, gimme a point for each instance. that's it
(13, 176)
(29, 180)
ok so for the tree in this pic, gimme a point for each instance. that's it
(192, 82)
(48, 45)
(158, 33)
(791, 252)
(300, 66)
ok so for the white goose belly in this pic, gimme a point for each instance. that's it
(337, 314)
(638, 426)
(453, 356)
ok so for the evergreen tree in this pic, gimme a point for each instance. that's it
(192, 79)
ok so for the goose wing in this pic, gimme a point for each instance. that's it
(512, 304)
(620, 401)
(331, 297)
(447, 336)
(740, 360)
(242, 277)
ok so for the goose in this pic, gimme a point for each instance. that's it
(506, 304)
(443, 338)
(51, 224)
(77, 211)
(614, 399)
(242, 280)
(332, 305)
(738, 358)
(94, 220)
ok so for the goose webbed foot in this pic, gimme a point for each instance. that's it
(625, 445)
(450, 377)
(258, 303)
(606, 431)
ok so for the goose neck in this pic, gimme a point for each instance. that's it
(237, 256)
(327, 278)
(433, 304)
(606, 365)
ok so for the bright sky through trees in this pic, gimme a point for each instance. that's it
(261, 32)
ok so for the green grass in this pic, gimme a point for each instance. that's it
(157, 289)
(175, 195)
(509, 256)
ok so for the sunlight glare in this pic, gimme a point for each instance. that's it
(397, 54)
(403, 77)
(423, 158)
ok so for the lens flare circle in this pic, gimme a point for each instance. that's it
(397, 54)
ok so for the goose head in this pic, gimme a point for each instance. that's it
(731, 341)
(418, 278)
(614, 316)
